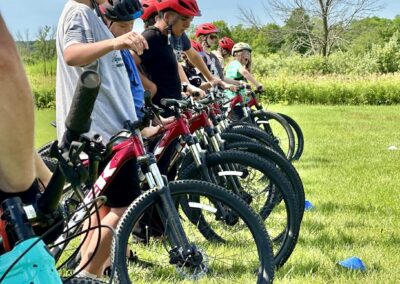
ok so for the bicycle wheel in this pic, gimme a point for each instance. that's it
(44, 150)
(276, 126)
(299, 138)
(262, 185)
(81, 280)
(256, 134)
(283, 164)
(245, 255)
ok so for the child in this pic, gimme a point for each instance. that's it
(83, 41)
(240, 68)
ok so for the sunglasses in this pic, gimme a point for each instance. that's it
(213, 37)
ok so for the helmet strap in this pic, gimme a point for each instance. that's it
(170, 41)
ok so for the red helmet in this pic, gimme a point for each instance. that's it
(205, 29)
(149, 9)
(226, 43)
(187, 8)
(196, 45)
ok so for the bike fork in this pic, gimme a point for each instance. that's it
(168, 212)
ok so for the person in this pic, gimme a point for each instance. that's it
(84, 42)
(120, 20)
(181, 47)
(240, 68)
(20, 166)
(174, 18)
(194, 76)
(224, 50)
(207, 34)
(149, 13)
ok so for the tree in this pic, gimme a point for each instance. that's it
(45, 47)
(223, 29)
(366, 33)
(296, 37)
(24, 46)
(331, 18)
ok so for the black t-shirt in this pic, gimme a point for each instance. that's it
(160, 63)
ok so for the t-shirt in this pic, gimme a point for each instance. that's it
(136, 83)
(195, 78)
(160, 64)
(180, 44)
(114, 105)
(232, 70)
(219, 57)
(213, 64)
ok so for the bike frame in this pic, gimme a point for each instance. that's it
(131, 148)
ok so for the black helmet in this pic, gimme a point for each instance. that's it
(122, 10)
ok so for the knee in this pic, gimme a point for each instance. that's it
(118, 212)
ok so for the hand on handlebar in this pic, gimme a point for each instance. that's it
(167, 120)
(150, 131)
(197, 93)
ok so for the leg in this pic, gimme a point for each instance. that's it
(96, 266)
(17, 168)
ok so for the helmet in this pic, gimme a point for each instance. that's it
(149, 9)
(205, 29)
(241, 46)
(122, 10)
(196, 45)
(186, 8)
(226, 43)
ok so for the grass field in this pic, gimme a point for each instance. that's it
(352, 179)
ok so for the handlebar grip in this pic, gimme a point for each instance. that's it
(78, 119)
(147, 98)
(169, 102)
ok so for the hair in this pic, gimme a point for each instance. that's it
(151, 21)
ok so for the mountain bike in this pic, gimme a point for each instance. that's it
(25, 257)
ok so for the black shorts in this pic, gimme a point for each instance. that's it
(27, 197)
(124, 187)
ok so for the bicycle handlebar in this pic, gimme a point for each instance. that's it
(87, 89)
(78, 122)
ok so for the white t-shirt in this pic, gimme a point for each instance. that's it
(114, 105)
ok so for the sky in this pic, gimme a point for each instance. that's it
(24, 15)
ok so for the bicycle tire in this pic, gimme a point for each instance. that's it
(52, 164)
(257, 135)
(151, 198)
(286, 167)
(299, 137)
(280, 130)
(82, 280)
(44, 150)
(284, 246)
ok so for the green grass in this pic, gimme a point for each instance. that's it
(44, 132)
(352, 179)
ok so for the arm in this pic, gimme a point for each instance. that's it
(184, 79)
(80, 54)
(231, 81)
(147, 83)
(197, 61)
(17, 170)
(249, 76)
